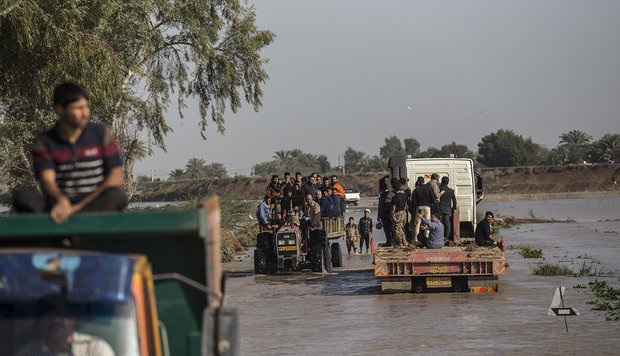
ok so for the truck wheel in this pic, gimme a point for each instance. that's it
(260, 262)
(336, 255)
(316, 258)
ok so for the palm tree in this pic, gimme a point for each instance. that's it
(607, 148)
(282, 155)
(576, 142)
(575, 138)
(195, 168)
(176, 174)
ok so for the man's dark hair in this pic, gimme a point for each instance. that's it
(436, 214)
(434, 176)
(67, 93)
(287, 174)
(334, 176)
(403, 181)
(445, 180)
(297, 173)
(266, 197)
(489, 213)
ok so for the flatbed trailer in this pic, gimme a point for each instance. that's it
(463, 268)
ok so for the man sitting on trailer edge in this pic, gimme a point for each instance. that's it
(77, 162)
(483, 231)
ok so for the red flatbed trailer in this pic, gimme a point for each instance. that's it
(457, 268)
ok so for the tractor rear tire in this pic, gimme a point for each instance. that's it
(336, 255)
(260, 262)
(316, 258)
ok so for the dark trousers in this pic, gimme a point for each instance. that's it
(388, 230)
(364, 239)
(446, 220)
(31, 201)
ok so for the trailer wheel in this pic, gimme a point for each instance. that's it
(336, 255)
(419, 289)
(260, 262)
(316, 258)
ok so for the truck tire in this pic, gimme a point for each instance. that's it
(336, 255)
(265, 242)
(260, 262)
(316, 258)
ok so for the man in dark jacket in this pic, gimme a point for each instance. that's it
(421, 199)
(309, 187)
(383, 213)
(365, 228)
(483, 231)
(447, 205)
(337, 202)
(326, 203)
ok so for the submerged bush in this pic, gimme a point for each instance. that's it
(531, 253)
(551, 269)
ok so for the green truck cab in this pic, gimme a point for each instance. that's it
(137, 283)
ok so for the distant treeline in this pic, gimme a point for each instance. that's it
(503, 148)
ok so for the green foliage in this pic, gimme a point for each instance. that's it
(551, 269)
(505, 148)
(573, 147)
(606, 149)
(412, 147)
(607, 299)
(359, 162)
(393, 147)
(197, 168)
(293, 161)
(531, 253)
(132, 56)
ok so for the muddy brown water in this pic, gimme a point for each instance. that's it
(344, 313)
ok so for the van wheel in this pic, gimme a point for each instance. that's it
(260, 262)
(336, 255)
(316, 258)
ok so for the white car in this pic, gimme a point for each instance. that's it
(351, 196)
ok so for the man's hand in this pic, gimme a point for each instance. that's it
(419, 215)
(61, 210)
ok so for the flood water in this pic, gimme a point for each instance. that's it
(344, 313)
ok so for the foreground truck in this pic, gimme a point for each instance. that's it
(136, 284)
(462, 265)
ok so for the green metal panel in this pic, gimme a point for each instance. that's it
(83, 224)
(174, 242)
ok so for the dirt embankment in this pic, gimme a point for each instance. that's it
(504, 181)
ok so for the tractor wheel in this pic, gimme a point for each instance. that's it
(336, 255)
(260, 262)
(316, 258)
(264, 241)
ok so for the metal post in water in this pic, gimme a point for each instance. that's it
(562, 299)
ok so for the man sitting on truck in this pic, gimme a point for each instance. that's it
(435, 227)
(483, 231)
(77, 162)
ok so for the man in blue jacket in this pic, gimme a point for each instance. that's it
(435, 238)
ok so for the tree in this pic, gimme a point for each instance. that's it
(195, 168)
(461, 151)
(392, 147)
(606, 149)
(176, 174)
(133, 57)
(576, 144)
(216, 170)
(412, 147)
(282, 155)
(353, 160)
(324, 165)
(505, 148)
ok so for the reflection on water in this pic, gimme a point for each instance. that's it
(345, 314)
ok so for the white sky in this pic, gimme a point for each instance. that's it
(343, 73)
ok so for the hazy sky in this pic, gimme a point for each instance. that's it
(343, 73)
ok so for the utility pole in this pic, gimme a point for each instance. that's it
(343, 165)
(152, 176)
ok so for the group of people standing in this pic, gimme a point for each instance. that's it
(295, 197)
(404, 212)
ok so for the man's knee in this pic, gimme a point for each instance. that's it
(28, 200)
(111, 199)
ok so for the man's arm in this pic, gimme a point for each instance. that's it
(453, 198)
(113, 179)
(63, 208)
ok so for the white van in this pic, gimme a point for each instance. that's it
(466, 183)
